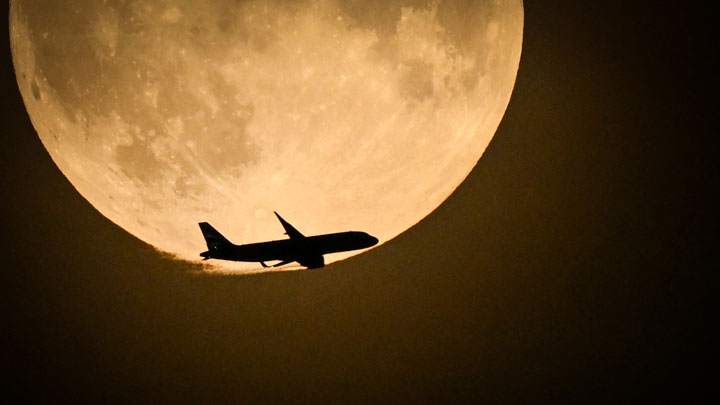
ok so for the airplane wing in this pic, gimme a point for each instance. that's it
(289, 229)
(282, 263)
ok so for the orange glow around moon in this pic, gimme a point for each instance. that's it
(340, 115)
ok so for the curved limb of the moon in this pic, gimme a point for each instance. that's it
(340, 115)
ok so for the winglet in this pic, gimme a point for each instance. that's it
(289, 229)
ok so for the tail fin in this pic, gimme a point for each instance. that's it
(213, 238)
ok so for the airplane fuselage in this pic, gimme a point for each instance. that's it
(307, 250)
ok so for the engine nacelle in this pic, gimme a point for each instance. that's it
(313, 262)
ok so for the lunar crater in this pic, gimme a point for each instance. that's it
(35, 90)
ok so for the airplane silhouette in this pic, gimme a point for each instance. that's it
(306, 250)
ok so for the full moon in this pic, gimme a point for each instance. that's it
(338, 114)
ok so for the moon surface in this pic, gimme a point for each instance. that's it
(340, 115)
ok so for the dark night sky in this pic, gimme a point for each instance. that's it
(572, 264)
